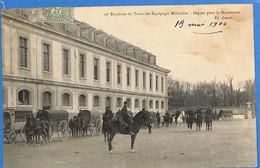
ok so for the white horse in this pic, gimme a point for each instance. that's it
(180, 120)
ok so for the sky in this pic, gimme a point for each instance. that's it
(188, 52)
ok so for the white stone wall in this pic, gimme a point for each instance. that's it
(34, 79)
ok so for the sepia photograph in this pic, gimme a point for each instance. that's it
(129, 86)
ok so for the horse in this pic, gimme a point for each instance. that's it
(38, 131)
(198, 119)
(77, 126)
(34, 129)
(180, 120)
(114, 126)
(42, 126)
(28, 129)
(106, 121)
(166, 120)
(208, 119)
(189, 119)
(84, 120)
(71, 125)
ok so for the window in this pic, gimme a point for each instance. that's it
(108, 101)
(4, 97)
(119, 102)
(46, 101)
(156, 82)
(24, 97)
(96, 68)
(157, 104)
(136, 78)
(65, 62)
(128, 76)
(82, 64)
(150, 104)
(144, 104)
(144, 80)
(23, 52)
(119, 74)
(82, 100)
(162, 84)
(162, 105)
(108, 72)
(136, 103)
(96, 101)
(128, 103)
(46, 57)
(65, 99)
(151, 81)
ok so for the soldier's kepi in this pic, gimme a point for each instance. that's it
(127, 118)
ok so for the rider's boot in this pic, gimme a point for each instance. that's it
(130, 129)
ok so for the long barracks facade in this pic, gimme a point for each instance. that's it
(74, 66)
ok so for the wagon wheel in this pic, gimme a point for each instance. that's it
(98, 127)
(63, 130)
(22, 134)
(12, 136)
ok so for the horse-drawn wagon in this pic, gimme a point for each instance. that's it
(59, 122)
(13, 123)
(95, 122)
(225, 114)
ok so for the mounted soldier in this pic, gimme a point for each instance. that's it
(129, 121)
(178, 112)
(108, 113)
(43, 116)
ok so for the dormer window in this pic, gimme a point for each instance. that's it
(78, 30)
(105, 41)
(92, 35)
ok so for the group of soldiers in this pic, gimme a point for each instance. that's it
(191, 113)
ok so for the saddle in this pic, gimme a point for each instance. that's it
(121, 121)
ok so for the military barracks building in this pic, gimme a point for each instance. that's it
(74, 66)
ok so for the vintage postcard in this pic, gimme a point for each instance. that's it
(129, 86)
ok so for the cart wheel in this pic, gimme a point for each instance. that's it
(12, 136)
(23, 135)
(63, 130)
(98, 127)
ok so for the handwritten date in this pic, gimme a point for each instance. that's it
(181, 23)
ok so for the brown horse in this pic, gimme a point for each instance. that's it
(114, 126)
(34, 129)
(208, 119)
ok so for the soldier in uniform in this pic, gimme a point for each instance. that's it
(43, 116)
(178, 113)
(109, 113)
(158, 117)
(127, 118)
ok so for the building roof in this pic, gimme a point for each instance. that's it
(91, 35)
